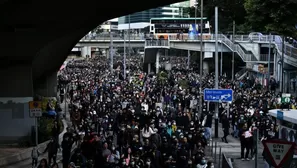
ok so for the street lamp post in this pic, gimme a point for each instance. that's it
(233, 52)
(216, 72)
(282, 66)
(124, 55)
(111, 49)
(196, 18)
(269, 55)
(201, 59)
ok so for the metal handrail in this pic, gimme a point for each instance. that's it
(275, 39)
(115, 37)
(239, 73)
(236, 48)
(156, 42)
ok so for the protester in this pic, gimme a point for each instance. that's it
(152, 120)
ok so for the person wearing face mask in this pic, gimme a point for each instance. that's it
(208, 125)
(174, 127)
(182, 157)
(245, 137)
(114, 158)
(52, 148)
(210, 164)
(253, 129)
(226, 127)
(148, 164)
(123, 164)
(133, 164)
(146, 132)
(202, 164)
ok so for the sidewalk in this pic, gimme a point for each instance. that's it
(232, 150)
(23, 158)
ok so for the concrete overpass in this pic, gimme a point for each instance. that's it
(36, 37)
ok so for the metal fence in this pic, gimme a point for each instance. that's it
(220, 160)
(156, 42)
(226, 162)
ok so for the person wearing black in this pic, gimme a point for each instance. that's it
(66, 150)
(62, 94)
(225, 126)
(52, 148)
(56, 130)
(183, 156)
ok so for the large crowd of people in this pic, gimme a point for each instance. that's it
(146, 121)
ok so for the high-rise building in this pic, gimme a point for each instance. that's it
(141, 19)
(192, 2)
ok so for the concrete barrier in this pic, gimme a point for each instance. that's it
(26, 153)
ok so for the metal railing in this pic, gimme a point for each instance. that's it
(226, 162)
(156, 43)
(275, 39)
(106, 37)
(240, 73)
(186, 37)
(265, 57)
(236, 48)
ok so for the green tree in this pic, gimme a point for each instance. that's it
(277, 16)
(229, 10)
(97, 30)
(189, 12)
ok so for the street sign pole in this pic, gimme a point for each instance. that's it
(256, 154)
(188, 61)
(233, 53)
(65, 101)
(216, 72)
(201, 57)
(111, 51)
(125, 56)
(35, 111)
(36, 130)
(279, 153)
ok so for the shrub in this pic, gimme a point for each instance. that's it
(44, 102)
(45, 125)
(183, 83)
(162, 76)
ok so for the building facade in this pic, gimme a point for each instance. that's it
(110, 24)
(141, 19)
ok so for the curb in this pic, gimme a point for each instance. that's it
(26, 153)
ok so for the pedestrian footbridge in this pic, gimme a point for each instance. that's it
(248, 48)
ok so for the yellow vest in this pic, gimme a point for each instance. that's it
(174, 128)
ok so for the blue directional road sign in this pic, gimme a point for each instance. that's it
(280, 115)
(218, 95)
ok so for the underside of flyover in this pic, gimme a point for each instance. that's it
(40, 34)
(36, 37)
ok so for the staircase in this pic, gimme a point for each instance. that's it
(289, 51)
(241, 74)
(237, 48)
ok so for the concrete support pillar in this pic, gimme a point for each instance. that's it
(286, 81)
(206, 67)
(46, 86)
(278, 71)
(107, 53)
(149, 68)
(275, 65)
(86, 51)
(16, 90)
(157, 62)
